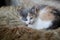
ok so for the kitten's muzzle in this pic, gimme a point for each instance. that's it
(31, 22)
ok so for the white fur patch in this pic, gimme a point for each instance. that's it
(39, 24)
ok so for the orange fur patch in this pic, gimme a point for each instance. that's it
(47, 15)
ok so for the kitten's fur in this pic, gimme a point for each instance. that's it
(40, 17)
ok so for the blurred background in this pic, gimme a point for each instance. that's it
(29, 3)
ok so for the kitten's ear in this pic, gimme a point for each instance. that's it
(39, 7)
(35, 9)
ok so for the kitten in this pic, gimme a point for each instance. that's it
(41, 17)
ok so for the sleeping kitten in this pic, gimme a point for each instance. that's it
(40, 17)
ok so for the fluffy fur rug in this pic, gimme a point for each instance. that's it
(9, 16)
(24, 33)
(11, 28)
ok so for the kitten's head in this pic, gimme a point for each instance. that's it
(28, 15)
